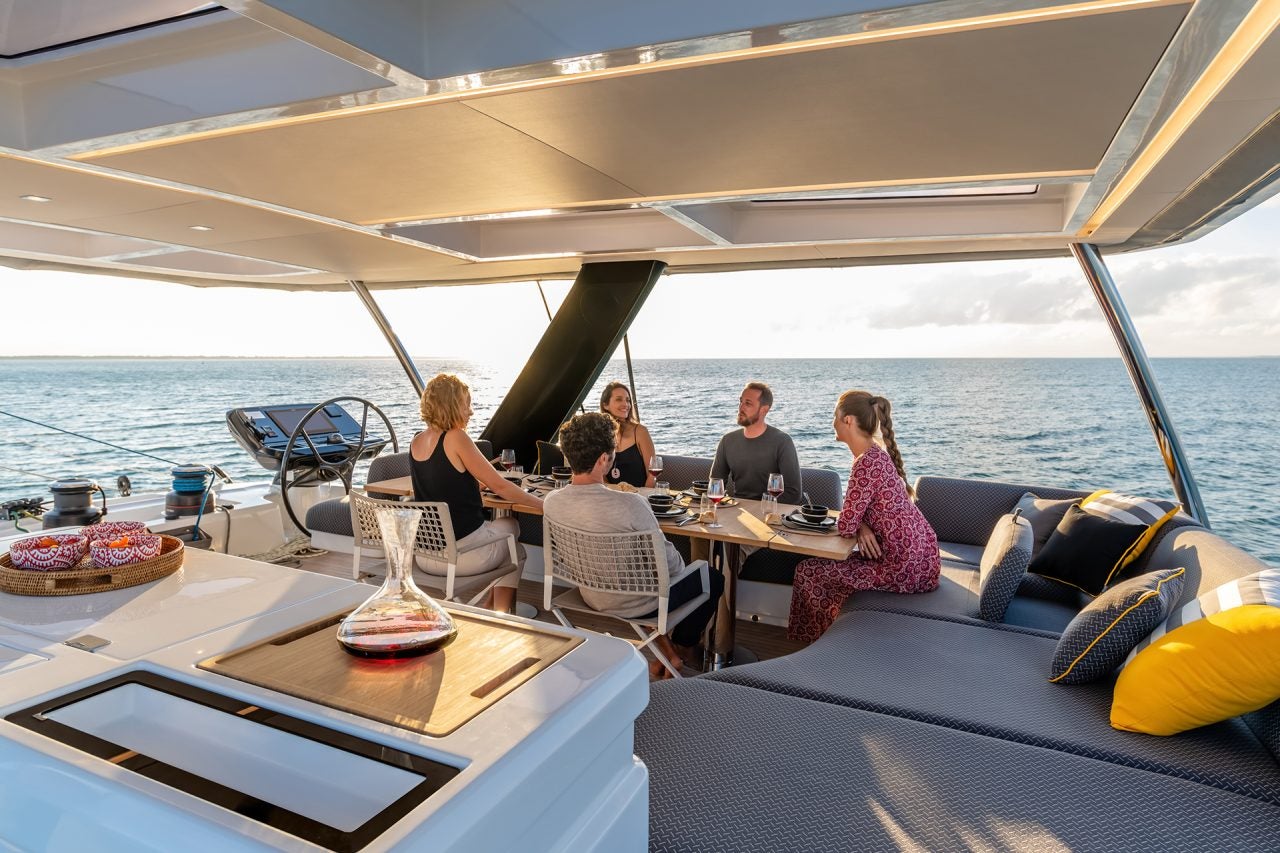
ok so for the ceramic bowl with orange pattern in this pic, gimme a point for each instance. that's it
(124, 550)
(48, 553)
(113, 529)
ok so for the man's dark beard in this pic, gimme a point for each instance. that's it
(745, 421)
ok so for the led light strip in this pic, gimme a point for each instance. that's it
(1257, 27)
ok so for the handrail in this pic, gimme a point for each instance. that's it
(1142, 376)
(406, 362)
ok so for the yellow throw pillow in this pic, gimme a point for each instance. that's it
(1217, 667)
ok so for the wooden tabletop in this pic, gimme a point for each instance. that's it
(741, 524)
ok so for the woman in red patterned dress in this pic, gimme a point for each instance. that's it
(897, 549)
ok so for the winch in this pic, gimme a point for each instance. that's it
(73, 504)
(190, 491)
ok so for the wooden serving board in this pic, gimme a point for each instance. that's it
(433, 694)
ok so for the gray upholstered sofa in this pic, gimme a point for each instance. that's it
(913, 724)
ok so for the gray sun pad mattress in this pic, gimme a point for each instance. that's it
(994, 681)
(736, 769)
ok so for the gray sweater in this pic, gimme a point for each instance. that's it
(599, 509)
(750, 461)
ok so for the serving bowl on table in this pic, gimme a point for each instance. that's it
(124, 550)
(661, 501)
(814, 513)
(699, 487)
(48, 553)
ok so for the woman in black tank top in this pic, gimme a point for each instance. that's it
(635, 447)
(447, 467)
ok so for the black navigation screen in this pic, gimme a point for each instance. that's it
(287, 420)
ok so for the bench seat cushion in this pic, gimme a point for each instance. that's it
(957, 596)
(734, 768)
(993, 680)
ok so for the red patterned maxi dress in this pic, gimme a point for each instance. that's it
(909, 560)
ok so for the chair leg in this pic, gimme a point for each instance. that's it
(355, 563)
(655, 649)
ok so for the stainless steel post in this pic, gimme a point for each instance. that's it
(1144, 380)
(410, 369)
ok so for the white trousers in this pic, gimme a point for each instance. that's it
(487, 550)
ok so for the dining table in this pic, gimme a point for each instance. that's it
(741, 523)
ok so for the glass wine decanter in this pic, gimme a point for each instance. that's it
(399, 620)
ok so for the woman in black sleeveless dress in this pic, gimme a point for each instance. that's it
(446, 466)
(635, 447)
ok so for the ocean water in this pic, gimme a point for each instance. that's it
(1065, 422)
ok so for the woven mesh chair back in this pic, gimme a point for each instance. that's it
(609, 562)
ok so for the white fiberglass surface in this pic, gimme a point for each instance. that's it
(337, 788)
(210, 591)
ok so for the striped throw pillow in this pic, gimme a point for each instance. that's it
(1131, 509)
(1260, 588)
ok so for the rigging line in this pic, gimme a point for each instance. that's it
(90, 438)
(28, 473)
(544, 299)
(631, 378)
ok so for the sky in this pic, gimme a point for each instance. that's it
(1217, 296)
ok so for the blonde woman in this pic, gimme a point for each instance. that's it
(446, 466)
(635, 447)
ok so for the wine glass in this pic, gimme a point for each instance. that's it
(507, 459)
(715, 494)
(655, 466)
(774, 486)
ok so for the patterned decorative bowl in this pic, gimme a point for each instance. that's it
(48, 553)
(113, 529)
(814, 513)
(125, 550)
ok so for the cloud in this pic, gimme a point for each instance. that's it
(1050, 292)
(1027, 296)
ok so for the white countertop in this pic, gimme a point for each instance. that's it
(550, 761)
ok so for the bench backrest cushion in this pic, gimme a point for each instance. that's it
(966, 511)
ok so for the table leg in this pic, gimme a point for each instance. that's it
(727, 612)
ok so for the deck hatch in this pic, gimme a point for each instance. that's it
(214, 753)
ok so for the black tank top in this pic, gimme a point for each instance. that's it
(630, 467)
(435, 479)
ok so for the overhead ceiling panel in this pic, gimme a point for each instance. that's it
(407, 164)
(1034, 98)
(350, 254)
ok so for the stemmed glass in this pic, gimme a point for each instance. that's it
(772, 490)
(715, 494)
(507, 459)
(774, 487)
(655, 466)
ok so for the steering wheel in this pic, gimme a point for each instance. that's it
(316, 468)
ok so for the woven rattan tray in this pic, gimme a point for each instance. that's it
(86, 578)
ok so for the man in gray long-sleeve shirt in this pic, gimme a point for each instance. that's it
(749, 455)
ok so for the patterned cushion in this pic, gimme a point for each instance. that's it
(1097, 640)
(1044, 515)
(1003, 564)
(1218, 661)
(1086, 550)
(1131, 510)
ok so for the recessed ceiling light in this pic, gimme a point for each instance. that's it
(34, 198)
(201, 227)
